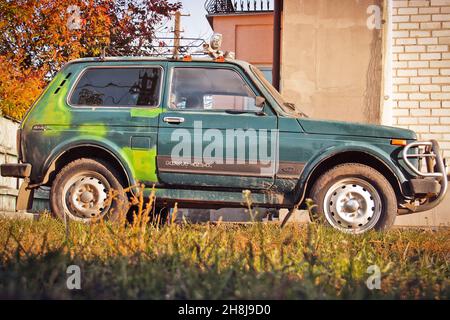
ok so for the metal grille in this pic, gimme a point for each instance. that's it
(238, 6)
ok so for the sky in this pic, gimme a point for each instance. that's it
(195, 25)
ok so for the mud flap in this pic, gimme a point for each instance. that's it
(25, 197)
(288, 216)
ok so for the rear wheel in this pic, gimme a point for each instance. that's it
(354, 198)
(82, 190)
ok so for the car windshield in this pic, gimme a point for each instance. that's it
(286, 106)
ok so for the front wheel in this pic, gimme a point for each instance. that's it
(354, 198)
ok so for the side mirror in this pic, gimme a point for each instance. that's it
(260, 101)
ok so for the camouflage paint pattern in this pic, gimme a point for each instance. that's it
(67, 126)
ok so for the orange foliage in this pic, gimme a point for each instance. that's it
(37, 38)
(18, 88)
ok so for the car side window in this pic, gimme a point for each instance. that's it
(210, 89)
(118, 87)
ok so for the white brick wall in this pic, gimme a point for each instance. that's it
(421, 68)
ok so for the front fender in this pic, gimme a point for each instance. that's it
(331, 151)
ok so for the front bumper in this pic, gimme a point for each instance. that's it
(430, 185)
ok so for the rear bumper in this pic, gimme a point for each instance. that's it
(20, 170)
(429, 186)
(16, 170)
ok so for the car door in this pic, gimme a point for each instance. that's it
(213, 133)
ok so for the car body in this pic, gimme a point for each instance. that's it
(83, 114)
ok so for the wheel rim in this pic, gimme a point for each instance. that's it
(352, 205)
(85, 196)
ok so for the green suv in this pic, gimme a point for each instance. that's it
(202, 131)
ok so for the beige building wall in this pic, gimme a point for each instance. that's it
(332, 67)
(331, 61)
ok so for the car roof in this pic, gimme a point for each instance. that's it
(241, 63)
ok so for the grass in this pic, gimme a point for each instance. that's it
(144, 260)
(184, 261)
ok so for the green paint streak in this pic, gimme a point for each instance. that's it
(143, 163)
(55, 110)
(145, 112)
(97, 130)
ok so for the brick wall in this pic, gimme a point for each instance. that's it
(421, 68)
(8, 150)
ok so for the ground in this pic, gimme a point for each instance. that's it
(219, 261)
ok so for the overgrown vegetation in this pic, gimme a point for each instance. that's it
(185, 261)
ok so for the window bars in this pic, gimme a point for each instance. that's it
(238, 6)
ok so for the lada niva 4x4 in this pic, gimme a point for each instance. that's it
(203, 130)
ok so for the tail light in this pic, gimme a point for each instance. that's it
(19, 144)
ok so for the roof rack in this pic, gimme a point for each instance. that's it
(166, 48)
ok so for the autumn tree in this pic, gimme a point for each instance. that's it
(38, 36)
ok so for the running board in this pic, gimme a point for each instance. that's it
(218, 198)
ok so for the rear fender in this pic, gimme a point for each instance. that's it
(95, 142)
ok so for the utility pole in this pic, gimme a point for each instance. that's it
(177, 33)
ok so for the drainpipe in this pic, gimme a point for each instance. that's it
(278, 9)
(386, 101)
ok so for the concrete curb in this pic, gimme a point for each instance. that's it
(19, 215)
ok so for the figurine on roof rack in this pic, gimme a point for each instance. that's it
(213, 48)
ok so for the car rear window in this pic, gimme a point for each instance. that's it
(118, 87)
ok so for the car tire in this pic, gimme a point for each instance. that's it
(81, 190)
(353, 198)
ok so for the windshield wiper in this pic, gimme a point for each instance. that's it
(291, 106)
(304, 115)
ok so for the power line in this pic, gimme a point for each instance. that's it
(177, 33)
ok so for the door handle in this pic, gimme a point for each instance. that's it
(173, 119)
